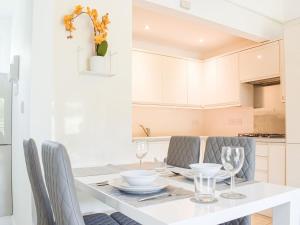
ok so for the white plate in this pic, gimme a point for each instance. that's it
(122, 185)
(222, 175)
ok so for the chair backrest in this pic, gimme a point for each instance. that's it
(183, 151)
(40, 195)
(213, 152)
(60, 184)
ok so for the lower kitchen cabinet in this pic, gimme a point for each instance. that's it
(270, 162)
(293, 165)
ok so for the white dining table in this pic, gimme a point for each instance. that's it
(285, 202)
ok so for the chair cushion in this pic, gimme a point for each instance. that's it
(123, 220)
(99, 219)
(183, 151)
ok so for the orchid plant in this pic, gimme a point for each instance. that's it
(100, 27)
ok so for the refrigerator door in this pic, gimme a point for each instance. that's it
(5, 181)
(292, 165)
(5, 109)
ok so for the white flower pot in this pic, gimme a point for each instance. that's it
(99, 64)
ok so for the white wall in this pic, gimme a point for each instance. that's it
(21, 45)
(5, 38)
(92, 115)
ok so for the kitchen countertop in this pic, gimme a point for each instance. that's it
(157, 138)
(270, 140)
(167, 138)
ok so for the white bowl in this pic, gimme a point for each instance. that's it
(206, 169)
(139, 177)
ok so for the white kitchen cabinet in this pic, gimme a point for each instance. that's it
(228, 85)
(260, 62)
(282, 71)
(270, 162)
(174, 81)
(210, 83)
(221, 83)
(146, 77)
(195, 82)
(277, 163)
(292, 81)
(292, 165)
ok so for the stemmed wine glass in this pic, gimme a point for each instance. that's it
(232, 160)
(141, 150)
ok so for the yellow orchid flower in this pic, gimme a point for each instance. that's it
(105, 19)
(94, 14)
(100, 25)
(78, 10)
(100, 38)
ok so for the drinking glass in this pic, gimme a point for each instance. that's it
(204, 188)
(141, 150)
(232, 160)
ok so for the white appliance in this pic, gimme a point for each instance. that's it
(5, 146)
(292, 80)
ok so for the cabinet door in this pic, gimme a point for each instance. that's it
(194, 79)
(293, 165)
(210, 83)
(292, 81)
(227, 82)
(282, 71)
(147, 77)
(174, 81)
(260, 63)
(277, 163)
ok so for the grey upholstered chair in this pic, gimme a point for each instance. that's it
(183, 151)
(41, 199)
(61, 188)
(212, 154)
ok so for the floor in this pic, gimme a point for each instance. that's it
(256, 220)
(261, 220)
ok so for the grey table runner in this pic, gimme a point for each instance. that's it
(133, 199)
(96, 171)
(111, 169)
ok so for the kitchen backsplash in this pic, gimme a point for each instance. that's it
(175, 121)
(167, 121)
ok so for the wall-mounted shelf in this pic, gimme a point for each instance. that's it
(83, 64)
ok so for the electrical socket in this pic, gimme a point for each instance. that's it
(185, 4)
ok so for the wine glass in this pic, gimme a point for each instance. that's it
(232, 160)
(141, 150)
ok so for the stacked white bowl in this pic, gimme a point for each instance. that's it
(139, 177)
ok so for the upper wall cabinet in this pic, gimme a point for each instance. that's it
(174, 78)
(221, 83)
(194, 83)
(209, 83)
(260, 63)
(147, 77)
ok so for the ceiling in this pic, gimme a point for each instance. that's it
(183, 32)
(278, 10)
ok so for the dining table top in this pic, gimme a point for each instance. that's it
(285, 201)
